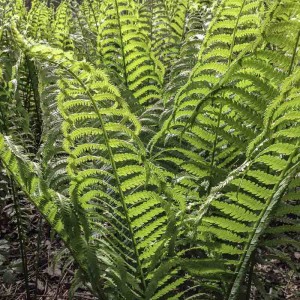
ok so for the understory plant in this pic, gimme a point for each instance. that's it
(159, 139)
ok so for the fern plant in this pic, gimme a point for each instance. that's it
(166, 137)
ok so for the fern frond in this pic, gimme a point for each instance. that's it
(39, 20)
(141, 72)
(55, 208)
(61, 27)
(99, 141)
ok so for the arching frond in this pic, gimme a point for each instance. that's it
(160, 139)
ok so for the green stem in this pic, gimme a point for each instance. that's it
(38, 252)
(21, 238)
(234, 32)
(249, 283)
(294, 54)
(215, 193)
(221, 106)
(214, 150)
(36, 96)
(122, 43)
(94, 15)
(185, 21)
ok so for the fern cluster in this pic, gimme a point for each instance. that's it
(159, 139)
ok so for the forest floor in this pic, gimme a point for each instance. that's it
(51, 273)
(277, 280)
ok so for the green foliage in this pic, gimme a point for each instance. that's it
(160, 139)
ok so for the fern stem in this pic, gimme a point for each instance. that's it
(221, 106)
(87, 42)
(114, 167)
(294, 54)
(234, 32)
(215, 193)
(219, 5)
(261, 224)
(33, 78)
(94, 15)
(38, 253)
(249, 283)
(185, 21)
(214, 150)
(21, 238)
(122, 43)
(151, 24)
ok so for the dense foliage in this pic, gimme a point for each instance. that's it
(159, 139)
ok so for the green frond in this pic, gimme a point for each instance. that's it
(39, 20)
(132, 58)
(56, 209)
(160, 139)
(61, 27)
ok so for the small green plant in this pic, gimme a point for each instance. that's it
(159, 139)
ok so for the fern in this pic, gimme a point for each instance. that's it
(160, 139)
(134, 60)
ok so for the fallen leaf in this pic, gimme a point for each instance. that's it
(297, 255)
(40, 285)
(53, 271)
